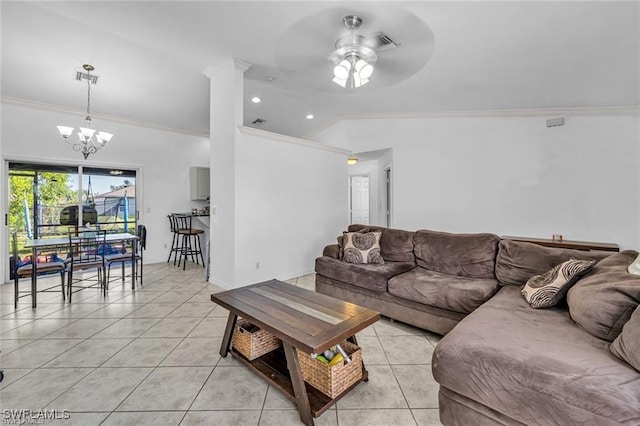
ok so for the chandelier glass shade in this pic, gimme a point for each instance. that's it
(354, 57)
(89, 140)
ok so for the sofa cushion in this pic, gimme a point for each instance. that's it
(396, 245)
(372, 277)
(362, 247)
(450, 292)
(536, 366)
(546, 290)
(466, 255)
(518, 261)
(603, 301)
(627, 344)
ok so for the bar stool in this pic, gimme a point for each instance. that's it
(187, 246)
(175, 241)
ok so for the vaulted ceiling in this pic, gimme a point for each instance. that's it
(453, 56)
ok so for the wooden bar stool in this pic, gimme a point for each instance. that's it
(175, 241)
(190, 241)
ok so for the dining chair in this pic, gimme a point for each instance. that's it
(19, 270)
(85, 253)
(138, 246)
(190, 240)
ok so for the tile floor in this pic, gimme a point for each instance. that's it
(150, 357)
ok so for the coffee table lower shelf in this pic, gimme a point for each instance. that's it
(273, 368)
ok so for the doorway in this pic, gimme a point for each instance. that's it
(387, 196)
(359, 196)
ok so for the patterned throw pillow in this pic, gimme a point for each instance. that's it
(546, 290)
(362, 248)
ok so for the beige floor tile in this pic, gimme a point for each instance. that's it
(140, 297)
(81, 329)
(381, 391)
(36, 390)
(78, 419)
(90, 353)
(372, 352)
(173, 297)
(8, 346)
(192, 310)
(292, 418)
(427, 417)
(407, 349)
(13, 374)
(417, 383)
(42, 310)
(76, 310)
(143, 353)
(367, 332)
(210, 327)
(375, 418)
(232, 388)
(10, 324)
(37, 353)
(277, 401)
(101, 390)
(154, 310)
(221, 418)
(126, 327)
(200, 351)
(167, 388)
(36, 329)
(114, 310)
(172, 327)
(167, 418)
(386, 327)
(219, 312)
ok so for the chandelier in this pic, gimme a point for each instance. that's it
(89, 140)
(354, 57)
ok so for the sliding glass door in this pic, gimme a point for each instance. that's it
(49, 200)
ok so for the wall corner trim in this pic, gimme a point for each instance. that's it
(291, 140)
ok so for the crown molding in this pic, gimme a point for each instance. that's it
(290, 139)
(113, 118)
(517, 112)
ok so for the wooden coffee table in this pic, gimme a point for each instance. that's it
(302, 319)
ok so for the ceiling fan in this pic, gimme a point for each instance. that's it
(337, 48)
(355, 55)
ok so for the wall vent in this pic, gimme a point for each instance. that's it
(86, 76)
(384, 42)
(258, 121)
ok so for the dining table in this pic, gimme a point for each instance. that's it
(52, 243)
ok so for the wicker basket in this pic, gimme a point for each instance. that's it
(251, 341)
(332, 380)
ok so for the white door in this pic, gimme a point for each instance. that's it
(360, 199)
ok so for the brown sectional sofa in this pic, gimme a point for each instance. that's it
(501, 361)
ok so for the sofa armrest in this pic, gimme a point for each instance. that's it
(332, 250)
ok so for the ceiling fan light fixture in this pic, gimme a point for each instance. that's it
(364, 69)
(354, 56)
(341, 71)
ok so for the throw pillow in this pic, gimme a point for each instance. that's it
(627, 344)
(546, 290)
(602, 302)
(362, 248)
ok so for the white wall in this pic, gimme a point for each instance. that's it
(290, 203)
(163, 158)
(509, 174)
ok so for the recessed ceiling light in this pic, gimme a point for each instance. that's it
(309, 116)
(269, 78)
(256, 100)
